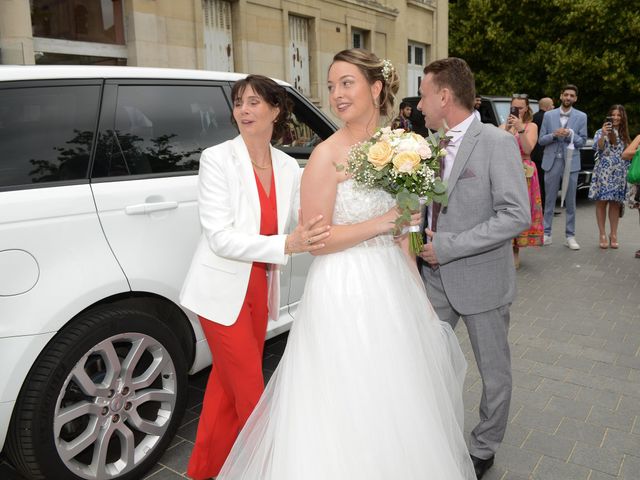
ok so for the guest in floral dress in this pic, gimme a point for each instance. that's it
(634, 192)
(526, 134)
(609, 181)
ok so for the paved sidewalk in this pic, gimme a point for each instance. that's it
(575, 337)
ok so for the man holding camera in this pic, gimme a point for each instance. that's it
(563, 129)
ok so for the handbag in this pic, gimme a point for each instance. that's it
(633, 175)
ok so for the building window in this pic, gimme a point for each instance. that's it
(99, 21)
(218, 35)
(417, 56)
(299, 54)
(81, 15)
(52, 58)
(359, 38)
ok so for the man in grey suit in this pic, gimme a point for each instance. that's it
(559, 127)
(467, 262)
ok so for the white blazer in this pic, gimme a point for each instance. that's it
(230, 242)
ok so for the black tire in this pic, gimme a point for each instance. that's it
(119, 409)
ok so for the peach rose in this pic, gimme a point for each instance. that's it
(380, 155)
(406, 162)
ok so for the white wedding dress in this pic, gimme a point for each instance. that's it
(370, 384)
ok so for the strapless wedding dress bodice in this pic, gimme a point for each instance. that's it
(370, 384)
(356, 204)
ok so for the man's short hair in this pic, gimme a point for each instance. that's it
(569, 86)
(454, 73)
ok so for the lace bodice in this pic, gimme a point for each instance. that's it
(355, 204)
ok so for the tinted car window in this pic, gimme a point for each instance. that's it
(163, 129)
(501, 110)
(417, 119)
(46, 133)
(486, 113)
(305, 130)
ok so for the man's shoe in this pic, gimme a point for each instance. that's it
(547, 240)
(481, 465)
(572, 244)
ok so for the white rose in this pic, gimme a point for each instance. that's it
(424, 151)
(407, 145)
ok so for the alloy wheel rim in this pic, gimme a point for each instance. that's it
(115, 406)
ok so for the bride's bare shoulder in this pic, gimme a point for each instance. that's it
(331, 150)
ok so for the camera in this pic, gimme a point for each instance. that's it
(515, 111)
(609, 120)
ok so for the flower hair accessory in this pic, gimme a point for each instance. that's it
(387, 70)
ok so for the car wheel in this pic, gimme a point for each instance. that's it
(102, 401)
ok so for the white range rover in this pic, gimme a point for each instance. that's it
(98, 223)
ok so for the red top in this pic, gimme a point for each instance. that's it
(268, 210)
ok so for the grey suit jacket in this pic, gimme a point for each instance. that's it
(552, 145)
(488, 206)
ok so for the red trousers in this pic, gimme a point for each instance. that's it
(235, 383)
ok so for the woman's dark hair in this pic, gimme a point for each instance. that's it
(272, 93)
(373, 70)
(528, 114)
(623, 129)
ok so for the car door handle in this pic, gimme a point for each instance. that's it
(143, 208)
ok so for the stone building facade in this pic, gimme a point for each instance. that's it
(291, 40)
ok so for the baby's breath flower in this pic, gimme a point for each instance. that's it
(387, 70)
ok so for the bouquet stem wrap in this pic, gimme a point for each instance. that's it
(405, 202)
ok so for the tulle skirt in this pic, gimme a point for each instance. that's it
(369, 386)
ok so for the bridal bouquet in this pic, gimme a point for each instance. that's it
(403, 164)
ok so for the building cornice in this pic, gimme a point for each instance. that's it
(370, 5)
(426, 4)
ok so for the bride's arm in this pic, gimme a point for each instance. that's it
(318, 196)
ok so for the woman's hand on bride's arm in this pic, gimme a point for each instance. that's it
(307, 236)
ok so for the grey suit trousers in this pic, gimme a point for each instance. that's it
(488, 334)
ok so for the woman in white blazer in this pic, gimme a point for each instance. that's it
(246, 196)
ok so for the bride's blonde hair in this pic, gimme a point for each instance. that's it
(374, 69)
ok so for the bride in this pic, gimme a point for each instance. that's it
(370, 384)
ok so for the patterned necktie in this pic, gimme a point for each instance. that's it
(436, 206)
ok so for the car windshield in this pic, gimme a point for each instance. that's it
(502, 107)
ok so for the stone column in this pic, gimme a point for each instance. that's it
(442, 29)
(16, 37)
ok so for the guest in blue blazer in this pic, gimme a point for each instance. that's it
(559, 127)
